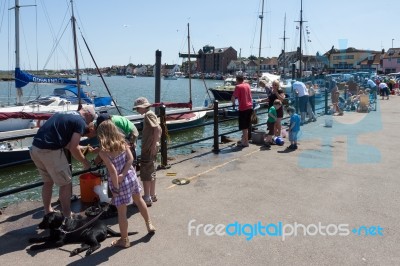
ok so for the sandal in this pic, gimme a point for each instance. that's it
(150, 227)
(121, 243)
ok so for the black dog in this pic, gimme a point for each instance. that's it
(89, 232)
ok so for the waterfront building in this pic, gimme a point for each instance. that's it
(347, 60)
(372, 63)
(391, 61)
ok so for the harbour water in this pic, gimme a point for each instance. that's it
(124, 90)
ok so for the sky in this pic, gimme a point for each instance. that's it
(120, 32)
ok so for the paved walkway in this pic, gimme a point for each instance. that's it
(342, 184)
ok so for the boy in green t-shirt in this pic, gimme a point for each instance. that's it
(272, 116)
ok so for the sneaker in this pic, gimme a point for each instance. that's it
(148, 201)
(295, 146)
(291, 147)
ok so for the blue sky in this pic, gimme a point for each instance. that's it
(123, 31)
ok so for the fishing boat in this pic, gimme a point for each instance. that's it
(224, 92)
(234, 110)
(15, 152)
(170, 77)
(67, 98)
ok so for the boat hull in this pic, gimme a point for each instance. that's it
(222, 95)
(14, 157)
(226, 95)
(197, 119)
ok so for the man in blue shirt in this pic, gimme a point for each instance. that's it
(61, 131)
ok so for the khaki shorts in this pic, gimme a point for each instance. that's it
(52, 165)
(147, 169)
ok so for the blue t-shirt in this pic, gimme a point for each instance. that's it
(57, 132)
(295, 120)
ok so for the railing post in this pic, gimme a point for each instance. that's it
(69, 159)
(164, 155)
(326, 101)
(216, 129)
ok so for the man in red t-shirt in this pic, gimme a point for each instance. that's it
(243, 94)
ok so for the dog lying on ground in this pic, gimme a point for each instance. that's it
(89, 232)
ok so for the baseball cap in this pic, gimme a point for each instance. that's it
(101, 118)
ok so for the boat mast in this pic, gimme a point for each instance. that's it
(259, 47)
(301, 31)
(78, 84)
(17, 46)
(284, 46)
(189, 70)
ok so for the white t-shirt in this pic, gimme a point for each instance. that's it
(382, 85)
(371, 83)
(300, 88)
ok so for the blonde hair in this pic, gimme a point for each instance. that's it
(276, 82)
(110, 138)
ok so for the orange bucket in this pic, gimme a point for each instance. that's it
(87, 183)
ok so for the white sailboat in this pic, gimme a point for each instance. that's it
(14, 120)
(26, 115)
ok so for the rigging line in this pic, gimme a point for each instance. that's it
(55, 46)
(2, 16)
(26, 45)
(81, 54)
(202, 76)
(255, 29)
(80, 48)
(102, 78)
(56, 39)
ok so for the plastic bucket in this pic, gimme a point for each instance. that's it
(257, 137)
(328, 121)
(87, 183)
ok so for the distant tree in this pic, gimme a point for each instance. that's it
(252, 57)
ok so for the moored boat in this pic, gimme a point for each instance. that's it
(70, 97)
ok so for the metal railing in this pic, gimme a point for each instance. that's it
(216, 121)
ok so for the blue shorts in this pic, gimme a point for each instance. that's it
(293, 135)
(303, 100)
